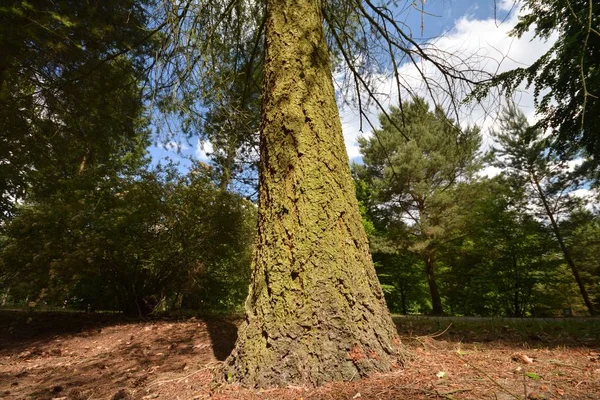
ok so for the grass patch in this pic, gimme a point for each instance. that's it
(559, 331)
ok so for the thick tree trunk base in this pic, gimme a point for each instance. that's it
(316, 311)
(327, 346)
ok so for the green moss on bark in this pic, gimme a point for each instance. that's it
(315, 312)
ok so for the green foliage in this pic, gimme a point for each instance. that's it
(364, 197)
(493, 251)
(85, 222)
(403, 278)
(94, 226)
(146, 239)
(507, 256)
(69, 95)
(208, 80)
(417, 180)
(566, 80)
(525, 154)
(218, 229)
(417, 184)
(582, 234)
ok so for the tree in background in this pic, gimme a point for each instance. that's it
(72, 122)
(418, 181)
(145, 241)
(213, 93)
(213, 231)
(401, 274)
(527, 157)
(582, 237)
(505, 258)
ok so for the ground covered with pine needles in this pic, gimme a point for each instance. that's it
(78, 356)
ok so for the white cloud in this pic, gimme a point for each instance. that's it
(582, 193)
(203, 149)
(572, 164)
(490, 171)
(352, 130)
(589, 196)
(486, 45)
(507, 5)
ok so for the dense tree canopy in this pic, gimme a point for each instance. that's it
(505, 263)
(69, 89)
(142, 242)
(495, 248)
(527, 157)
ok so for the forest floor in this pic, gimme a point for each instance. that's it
(77, 356)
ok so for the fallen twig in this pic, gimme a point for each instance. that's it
(488, 377)
(181, 379)
(438, 334)
(565, 365)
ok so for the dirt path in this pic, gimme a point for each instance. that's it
(105, 357)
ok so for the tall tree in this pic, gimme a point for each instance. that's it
(527, 155)
(582, 234)
(505, 256)
(72, 117)
(419, 180)
(69, 95)
(315, 311)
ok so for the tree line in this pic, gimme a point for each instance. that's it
(445, 238)
(88, 222)
(448, 239)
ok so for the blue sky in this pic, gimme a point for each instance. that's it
(477, 32)
(441, 15)
(471, 27)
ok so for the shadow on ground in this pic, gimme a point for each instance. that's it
(223, 334)
(82, 356)
(18, 329)
(77, 356)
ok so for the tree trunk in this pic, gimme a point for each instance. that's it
(563, 247)
(403, 299)
(315, 311)
(516, 302)
(436, 300)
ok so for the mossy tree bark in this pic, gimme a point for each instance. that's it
(315, 311)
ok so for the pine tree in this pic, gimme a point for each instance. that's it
(418, 180)
(528, 157)
(315, 311)
(566, 79)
